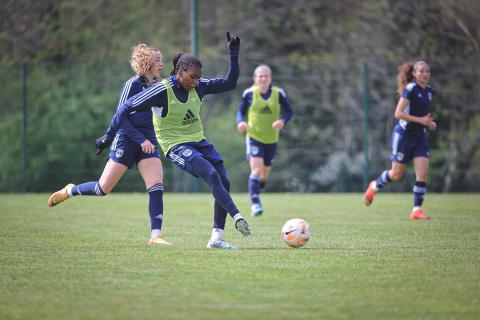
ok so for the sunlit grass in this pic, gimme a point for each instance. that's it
(88, 259)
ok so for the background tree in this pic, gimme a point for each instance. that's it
(76, 57)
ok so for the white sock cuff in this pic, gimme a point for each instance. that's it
(217, 234)
(155, 233)
(237, 216)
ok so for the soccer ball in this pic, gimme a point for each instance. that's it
(296, 232)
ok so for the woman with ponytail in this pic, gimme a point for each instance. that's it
(409, 141)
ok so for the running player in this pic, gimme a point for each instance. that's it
(176, 103)
(127, 149)
(409, 135)
(263, 112)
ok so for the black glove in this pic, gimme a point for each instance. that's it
(102, 143)
(233, 45)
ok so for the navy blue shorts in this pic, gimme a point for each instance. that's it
(127, 152)
(182, 154)
(261, 150)
(406, 147)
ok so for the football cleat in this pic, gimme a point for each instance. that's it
(220, 244)
(159, 240)
(256, 209)
(60, 195)
(419, 214)
(242, 226)
(370, 194)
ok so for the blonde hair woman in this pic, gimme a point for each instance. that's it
(147, 63)
(263, 112)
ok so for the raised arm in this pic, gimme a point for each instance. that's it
(229, 82)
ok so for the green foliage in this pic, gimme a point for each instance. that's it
(88, 258)
(77, 55)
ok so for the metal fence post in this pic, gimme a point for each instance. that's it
(194, 182)
(25, 127)
(366, 168)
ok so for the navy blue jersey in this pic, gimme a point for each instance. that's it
(143, 120)
(156, 97)
(420, 105)
(246, 102)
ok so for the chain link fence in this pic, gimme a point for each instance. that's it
(338, 139)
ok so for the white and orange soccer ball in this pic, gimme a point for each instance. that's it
(296, 232)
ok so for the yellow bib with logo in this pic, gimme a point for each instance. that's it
(261, 114)
(182, 123)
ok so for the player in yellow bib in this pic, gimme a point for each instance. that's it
(176, 103)
(263, 112)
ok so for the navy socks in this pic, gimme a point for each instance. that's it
(91, 188)
(254, 189)
(383, 180)
(155, 206)
(419, 190)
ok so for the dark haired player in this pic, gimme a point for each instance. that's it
(176, 103)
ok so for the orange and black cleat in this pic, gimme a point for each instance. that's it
(419, 214)
(370, 194)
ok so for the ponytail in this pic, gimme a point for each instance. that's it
(404, 76)
(175, 61)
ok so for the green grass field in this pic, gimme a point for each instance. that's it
(88, 259)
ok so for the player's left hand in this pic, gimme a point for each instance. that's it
(278, 124)
(233, 45)
(102, 143)
(432, 126)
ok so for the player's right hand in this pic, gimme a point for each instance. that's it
(427, 121)
(102, 143)
(148, 147)
(242, 127)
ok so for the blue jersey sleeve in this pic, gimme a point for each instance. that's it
(132, 132)
(287, 111)
(408, 91)
(130, 89)
(144, 100)
(243, 107)
(219, 85)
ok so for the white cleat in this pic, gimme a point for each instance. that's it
(220, 244)
(257, 209)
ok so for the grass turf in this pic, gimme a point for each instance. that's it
(88, 259)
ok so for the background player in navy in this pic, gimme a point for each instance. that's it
(263, 112)
(177, 101)
(408, 139)
(127, 149)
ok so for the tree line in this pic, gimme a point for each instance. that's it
(69, 58)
